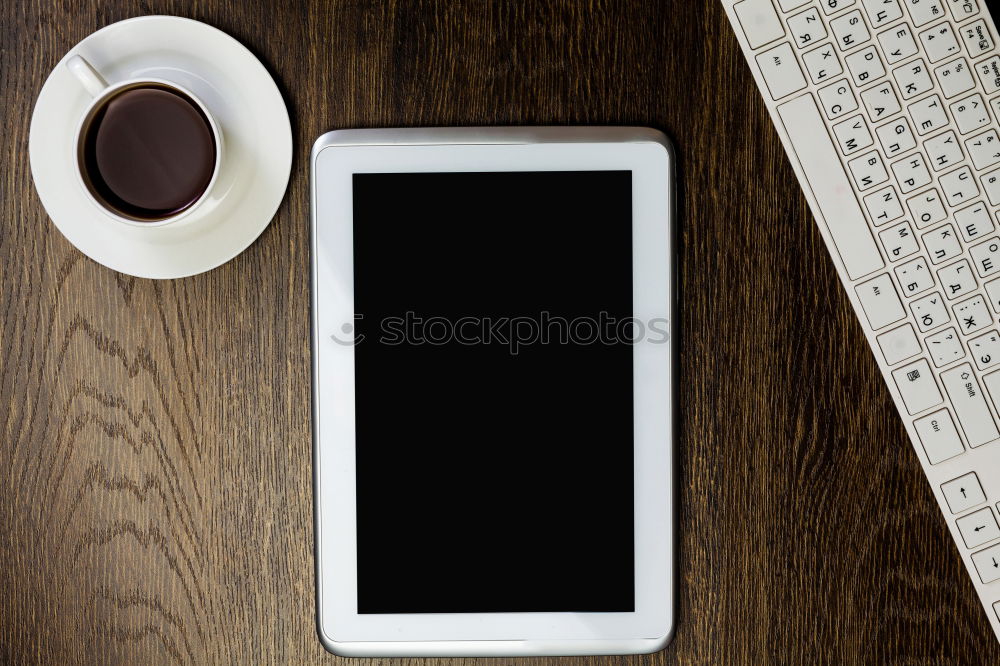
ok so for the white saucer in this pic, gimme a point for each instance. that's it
(257, 146)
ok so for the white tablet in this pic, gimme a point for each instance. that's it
(493, 391)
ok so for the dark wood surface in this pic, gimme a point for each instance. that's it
(155, 498)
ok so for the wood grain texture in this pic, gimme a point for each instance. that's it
(155, 504)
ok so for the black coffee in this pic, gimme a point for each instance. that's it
(149, 153)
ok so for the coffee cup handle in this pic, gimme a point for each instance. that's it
(91, 80)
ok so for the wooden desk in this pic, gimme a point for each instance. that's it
(156, 502)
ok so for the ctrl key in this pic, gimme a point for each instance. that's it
(938, 435)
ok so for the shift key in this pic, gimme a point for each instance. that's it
(967, 398)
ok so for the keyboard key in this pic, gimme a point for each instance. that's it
(970, 405)
(760, 22)
(938, 436)
(881, 12)
(995, 103)
(789, 5)
(868, 170)
(996, 609)
(985, 350)
(973, 315)
(896, 137)
(943, 150)
(880, 302)
(837, 99)
(989, 74)
(963, 493)
(883, 205)
(834, 6)
(897, 43)
(807, 28)
(970, 113)
(924, 11)
(836, 204)
(942, 244)
(781, 71)
(978, 528)
(945, 347)
(914, 277)
(977, 38)
(898, 241)
(974, 222)
(880, 101)
(912, 79)
(939, 42)
(849, 30)
(911, 173)
(928, 114)
(929, 312)
(822, 63)
(963, 9)
(993, 293)
(917, 387)
(955, 78)
(865, 66)
(991, 184)
(926, 208)
(988, 567)
(984, 149)
(986, 257)
(959, 186)
(852, 135)
(899, 344)
(992, 384)
(957, 279)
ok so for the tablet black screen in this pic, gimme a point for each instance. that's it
(494, 455)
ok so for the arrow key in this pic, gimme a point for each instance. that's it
(963, 493)
(978, 528)
(988, 563)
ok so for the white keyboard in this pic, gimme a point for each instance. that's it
(889, 110)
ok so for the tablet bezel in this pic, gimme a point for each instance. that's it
(335, 158)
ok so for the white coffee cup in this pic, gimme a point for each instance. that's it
(103, 93)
